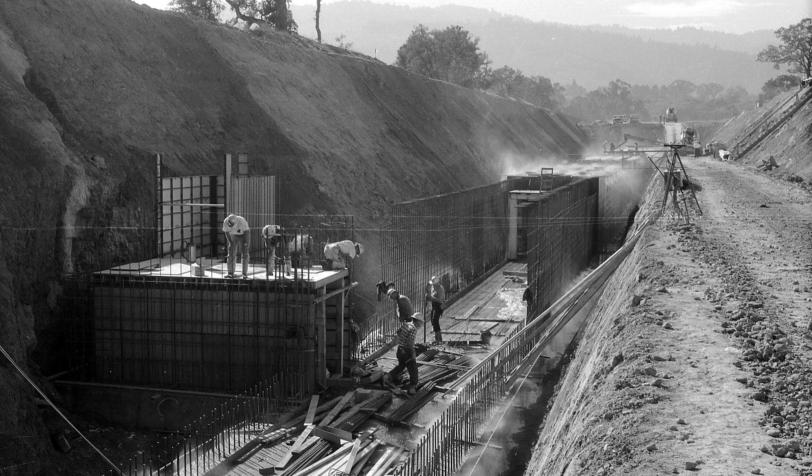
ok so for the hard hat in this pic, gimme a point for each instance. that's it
(390, 292)
(269, 231)
(434, 280)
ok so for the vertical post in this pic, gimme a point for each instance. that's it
(227, 178)
(513, 225)
(320, 315)
(214, 229)
(158, 206)
(341, 332)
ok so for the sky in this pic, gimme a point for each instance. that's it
(732, 16)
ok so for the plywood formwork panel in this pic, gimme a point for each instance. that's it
(215, 336)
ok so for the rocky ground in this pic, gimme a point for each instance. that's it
(704, 363)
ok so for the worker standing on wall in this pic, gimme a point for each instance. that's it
(239, 242)
(436, 296)
(407, 359)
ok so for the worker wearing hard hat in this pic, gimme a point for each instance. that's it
(239, 242)
(407, 359)
(436, 295)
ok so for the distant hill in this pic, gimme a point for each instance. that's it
(592, 56)
(750, 43)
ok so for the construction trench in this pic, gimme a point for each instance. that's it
(169, 341)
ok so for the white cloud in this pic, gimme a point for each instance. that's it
(701, 8)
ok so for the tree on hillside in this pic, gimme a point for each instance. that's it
(318, 18)
(511, 82)
(710, 101)
(778, 85)
(795, 49)
(206, 9)
(450, 55)
(272, 12)
(605, 102)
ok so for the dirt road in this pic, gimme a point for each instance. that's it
(740, 286)
(704, 361)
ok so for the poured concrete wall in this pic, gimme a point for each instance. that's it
(561, 242)
(215, 336)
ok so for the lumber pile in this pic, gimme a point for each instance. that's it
(326, 444)
(400, 414)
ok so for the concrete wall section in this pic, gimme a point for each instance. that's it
(211, 337)
(561, 241)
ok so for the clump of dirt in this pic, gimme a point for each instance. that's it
(698, 356)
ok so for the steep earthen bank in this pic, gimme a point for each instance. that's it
(90, 90)
(790, 144)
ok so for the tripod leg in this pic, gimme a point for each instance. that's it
(693, 194)
(668, 178)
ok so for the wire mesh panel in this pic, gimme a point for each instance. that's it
(561, 240)
(193, 335)
(458, 237)
(253, 198)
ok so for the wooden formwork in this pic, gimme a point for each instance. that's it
(217, 334)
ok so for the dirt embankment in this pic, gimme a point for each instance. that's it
(698, 357)
(91, 89)
(790, 144)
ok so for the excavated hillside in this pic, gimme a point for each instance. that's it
(790, 143)
(90, 90)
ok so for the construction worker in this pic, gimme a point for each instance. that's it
(436, 296)
(274, 239)
(239, 242)
(340, 253)
(407, 359)
(527, 297)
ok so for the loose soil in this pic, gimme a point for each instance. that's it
(699, 357)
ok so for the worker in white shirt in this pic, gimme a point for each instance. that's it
(239, 242)
(341, 252)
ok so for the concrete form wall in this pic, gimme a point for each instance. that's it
(213, 337)
(561, 242)
(459, 237)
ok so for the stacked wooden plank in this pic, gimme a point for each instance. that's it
(290, 426)
(437, 366)
(326, 442)
(412, 405)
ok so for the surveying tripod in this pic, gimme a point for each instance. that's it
(675, 180)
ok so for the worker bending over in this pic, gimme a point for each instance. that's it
(239, 242)
(341, 252)
(274, 238)
(436, 296)
(407, 359)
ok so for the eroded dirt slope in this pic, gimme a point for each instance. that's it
(790, 144)
(699, 358)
